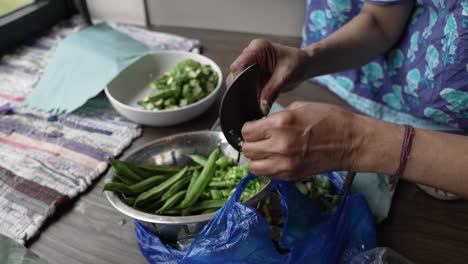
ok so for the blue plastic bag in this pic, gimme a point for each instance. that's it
(239, 234)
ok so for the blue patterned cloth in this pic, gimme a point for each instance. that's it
(422, 80)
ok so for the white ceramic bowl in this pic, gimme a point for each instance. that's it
(132, 85)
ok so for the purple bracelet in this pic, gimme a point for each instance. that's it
(404, 156)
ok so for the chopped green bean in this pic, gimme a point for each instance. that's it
(224, 161)
(302, 187)
(216, 194)
(186, 83)
(226, 184)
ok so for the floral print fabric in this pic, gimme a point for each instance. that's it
(422, 80)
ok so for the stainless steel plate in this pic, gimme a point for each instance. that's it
(164, 151)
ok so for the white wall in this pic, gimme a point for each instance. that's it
(125, 11)
(279, 17)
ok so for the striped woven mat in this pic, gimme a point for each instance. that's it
(44, 159)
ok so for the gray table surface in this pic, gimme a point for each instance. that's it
(89, 230)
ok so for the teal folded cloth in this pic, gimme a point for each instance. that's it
(82, 65)
(11, 252)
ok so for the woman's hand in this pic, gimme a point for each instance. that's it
(281, 67)
(304, 139)
(310, 138)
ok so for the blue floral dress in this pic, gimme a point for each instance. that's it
(422, 80)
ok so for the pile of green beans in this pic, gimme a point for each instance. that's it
(320, 190)
(187, 83)
(200, 188)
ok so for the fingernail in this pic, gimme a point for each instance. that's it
(264, 107)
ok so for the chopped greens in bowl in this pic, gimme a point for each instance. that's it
(188, 82)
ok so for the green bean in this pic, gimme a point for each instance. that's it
(140, 172)
(171, 107)
(159, 94)
(194, 83)
(159, 103)
(258, 185)
(190, 99)
(165, 168)
(160, 168)
(172, 212)
(170, 101)
(186, 91)
(147, 184)
(117, 187)
(183, 102)
(118, 178)
(198, 93)
(335, 200)
(216, 194)
(124, 171)
(302, 188)
(220, 174)
(172, 201)
(206, 195)
(152, 206)
(175, 188)
(194, 177)
(186, 83)
(225, 193)
(158, 190)
(199, 159)
(202, 181)
(209, 204)
(236, 173)
(224, 161)
(185, 212)
(326, 184)
(226, 184)
(210, 210)
(210, 87)
(129, 200)
(245, 196)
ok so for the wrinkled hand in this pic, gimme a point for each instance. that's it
(302, 140)
(281, 68)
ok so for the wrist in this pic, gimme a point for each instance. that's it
(377, 145)
(313, 53)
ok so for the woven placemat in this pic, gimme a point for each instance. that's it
(46, 159)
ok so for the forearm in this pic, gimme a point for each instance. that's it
(436, 159)
(372, 32)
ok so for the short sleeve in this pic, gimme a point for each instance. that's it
(384, 2)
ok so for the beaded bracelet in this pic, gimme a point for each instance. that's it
(404, 156)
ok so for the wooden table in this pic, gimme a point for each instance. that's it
(91, 231)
